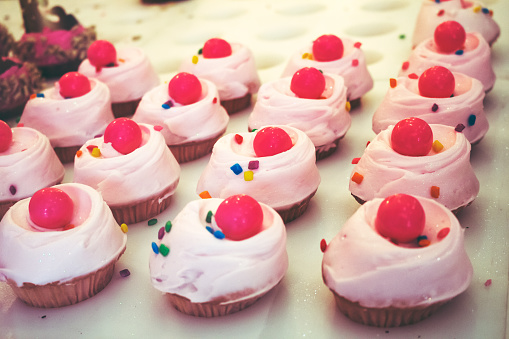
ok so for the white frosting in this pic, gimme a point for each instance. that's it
(133, 77)
(234, 75)
(386, 172)
(473, 21)
(124, 179)
(29, 164)
(474, 62)
(29, 255)
(323, 120)
(357, 78)
(364, 267)
(280, 181)
(203, 268)
(404, 101)
(181, 124)
(70, 122)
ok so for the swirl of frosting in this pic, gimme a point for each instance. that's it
(474, 62)
(203, 268)
(201, 120)
(386, 172)
(362, 266)
(32, 255)
(130, 80)
(464, 107)
(323, 120)
(30, 152)
(234, 75)
(468, 13)
(279, 181)
(122, 179)
(72, 121)
(352, 67)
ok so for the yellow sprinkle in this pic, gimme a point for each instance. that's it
(305, 55)
(124, 228)
(248, 175)
(477, 9)
(310, 56)
(348, 106)
(194, 60)
(96, 152)
(437, 146)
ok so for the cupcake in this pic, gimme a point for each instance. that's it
(75, 110)
(230, 67)
(55, 47)
(74, 225)
(219, 256)
(28, 163)
(189, 112)
(131, 167)
(335, 55)
(437, 96)
(471, 14)
(396, 261)
(452, 48)
(6, 41)
(412, 157)
(275, 165)
(311, 101)
(18, 81)
(128, 74)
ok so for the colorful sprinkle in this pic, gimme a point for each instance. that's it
(305, 55)
(488, 283)
(477, 9)
(160, 233)
(96, 152)
(254, 164)
(435, 192)
(165, 106)
(120, 60)
(194, 60)
(441, 12)
(323, 245)
(413, 76)
(437, 146)
(12, 189)
(90, 148)
(208, 228)
(20, 124)
(200, 51)
(434, 108)
(208, 218)
(419, 238)
(355, 62)
(205, 195)
(367, 144)
(459, 52)
(124, 227)
(124, 273)
(214, 101)
(355, 161)
(357, 178)
(164, 250)
(168, 226)
(443, 233)
(236, 169)
(33, 96)
(393, 82)
(405, 65)
(155, 248)
(357, 45)
(79, 153)
(402, 36)
(152, 222)
(248, 175)
(239, 139)
(69, 227)
(40, 95)
(218, 234)
(459, 127)
(471, 120)
(348, 106)
(424, 243)
(158, 128)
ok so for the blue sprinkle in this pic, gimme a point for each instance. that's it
(471, 120)
(208, 228)
(236, 169)
(421, 237)
(485, 10)
(155, 248)
(165, 106)
(40, 95)
(459, 52)
(218, 234)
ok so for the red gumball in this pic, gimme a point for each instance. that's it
(400, 218)
(436, 82)
(328, 47)
(73, 85)
(124, 135)
(308, 83)
(270, 141)
(51, 208)
(5, 136)
(412, 136)
(450, 36)
(185, 88)
(102, 53)
(216, 48)
(239, 217)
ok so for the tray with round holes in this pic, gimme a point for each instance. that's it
(301, 305)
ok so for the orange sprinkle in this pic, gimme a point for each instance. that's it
(348, 106)
(393, 82)
(124, 228)
(68, 227)
(121, 60)
(33, 96)
(424, 242)
(357, 178)
(305, 55)
(205, 195)
(79, 153)
(435, 192)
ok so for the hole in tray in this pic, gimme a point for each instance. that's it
(196, 37)
(372, 56)
(281, 32)
(300, 8)
(221, 13)
(164, 65)
(370, 29)
(388, 5)
(265, 61)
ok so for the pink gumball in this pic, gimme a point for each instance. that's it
(185, 88)
(5, 136)
(436, 82)
(124, 135)
(216, 48)
(271, 141)
(328, 47)
(308, 83)
(450, 36)
(102, 53)
(73, 85)
(412, 136)
(239, 217)
(51, 208)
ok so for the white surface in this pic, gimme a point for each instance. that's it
(301, 306)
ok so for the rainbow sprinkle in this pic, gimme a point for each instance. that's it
(96, 152)
(471, 120)
(79, 153)
(214, 101)
(12, 189)
(459, 52)
(405, 65)
(158, 128)
(477, 9)
(200, 51)
(357, 45)
(357, 178)
(443, 232)
(355, 62)
(152, 222)
(393, 82)
(205, 195)
(459, 127)
(68, 227)
(437, 146)
(441, 12)
(435, 192)
(239, 139)
(124, 227)
(218, 234)
(424, 242)
(355, 161)
(248, 175)
(323, 245)
(488, 283)
(124, 273)
(168, 226)
(253, 164)
(413, 76)
(208, 218)
(237, 169)
(164, 250)
(155, 248)
(194, 60)
(40, 95)
(434, 108)
(348, 106)
(160, 233)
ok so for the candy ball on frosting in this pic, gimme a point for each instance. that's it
(185, 88)
(400, 218)
(239, 217)
(412, 136)
(450, 36)
(271, 141)
(102, 53)
(124, 135)
(5, 136)
(328, 47)
(73, 85)
(308, 83)
(436, 82)
(51, 208)
(216, 48)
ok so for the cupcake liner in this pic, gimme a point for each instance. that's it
(4, 207)
(355, 103)
(66, 154)
(194, 150)
(322, 154)
(57, 70)
(124, 109)
(235, 105)
(59, 294)
(295, 210)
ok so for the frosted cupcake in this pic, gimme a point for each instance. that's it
(335, 55)
(275, 165)
(189, 112)
(75, 110)
(128, 74)
(310, 101)
(72, 222)
(219, 256)
(366, 266)
(131, 167)
(230, 67)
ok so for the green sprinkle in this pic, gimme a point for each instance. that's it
(200, 51)
(209, 217)
(167, 227)
(254, 130)
(402, 36)
(164, 250)
(152, 222)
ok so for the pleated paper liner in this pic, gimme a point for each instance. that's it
(295, 210)
(236, 105)
(66, 154)
(124, 109)
(194, 150)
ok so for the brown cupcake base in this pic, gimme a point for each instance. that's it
(124, 109)
(57, 70)
(235, 105)
(295, 211)
(194, 150)
(16, 110)
(355, 103)
(66, 154)
(324, 154)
